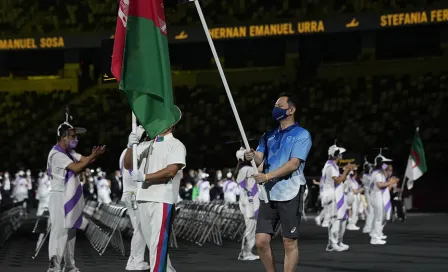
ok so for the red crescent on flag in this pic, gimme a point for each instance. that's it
(416, 157)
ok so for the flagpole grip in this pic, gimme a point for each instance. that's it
(261, 188)
(134, 147)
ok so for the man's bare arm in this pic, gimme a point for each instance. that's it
(128, 159)
(163, 176)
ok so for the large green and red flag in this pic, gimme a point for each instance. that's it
(417, 162)
(140, 62)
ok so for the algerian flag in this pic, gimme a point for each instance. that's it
(140, 62)
(416, 162)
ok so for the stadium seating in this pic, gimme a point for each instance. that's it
(363, 115)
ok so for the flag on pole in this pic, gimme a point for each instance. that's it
(140, 62)
(416, 163)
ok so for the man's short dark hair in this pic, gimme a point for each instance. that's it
(63, 131)
(292, 99)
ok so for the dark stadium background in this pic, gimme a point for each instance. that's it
(359, 79)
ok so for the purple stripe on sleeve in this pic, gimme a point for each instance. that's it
(68, 207)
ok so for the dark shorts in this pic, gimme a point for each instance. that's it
(288, 213)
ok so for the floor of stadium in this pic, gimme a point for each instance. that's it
(421, 244)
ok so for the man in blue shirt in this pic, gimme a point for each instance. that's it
(283, 152)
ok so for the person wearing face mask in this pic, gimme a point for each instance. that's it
(230, 189)
(249, 204)
(204, 187)
(381, 199)
(103, 188)
(333, 198)
(353, 200)
(283, 152)
(6, 188)
(43, 193)
(368, 187)
(64, 165)
(20, 192)
(218, 176)
(138, 246)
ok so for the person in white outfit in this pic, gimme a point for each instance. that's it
(43, 193)
(249, 204)
(381, 201)
(230, 188)
(333, 197)
(138, 245)
(163, 160)
(204, 187)
(66, 203)
(354, 191)
(103, 188)
(368, 187)
(20, 192)
(323, 218)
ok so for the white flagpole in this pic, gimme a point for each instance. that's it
(134, 147)
(229, 94)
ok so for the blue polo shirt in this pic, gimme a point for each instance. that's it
(278, 147)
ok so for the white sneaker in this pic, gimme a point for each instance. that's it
(366, 230)
(344, 246)
(383, 237)
(334, 247)
(132, 266)
(325, 224)
(352, 227)
(249, 257)
(376, 241)
(318, 220)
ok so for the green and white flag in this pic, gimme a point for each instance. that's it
(416, 162)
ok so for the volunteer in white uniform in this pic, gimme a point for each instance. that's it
(204, 187)
(138, 245)
(163, 159)
(103, 188)
(353, 200)
(230, 189)
(249, 204)
(382, 206)
(333, 196)
(368, 186)
(63, 167)
(20, 191)
(43, 193)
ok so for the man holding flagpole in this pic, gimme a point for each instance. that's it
(283, 152)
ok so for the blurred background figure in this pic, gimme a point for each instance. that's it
(116, 186)
(20, 192)
(43, 193)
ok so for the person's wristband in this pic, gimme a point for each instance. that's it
(267, 177)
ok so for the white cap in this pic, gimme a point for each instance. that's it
(240, 154)
(384, 159)
(333, 150)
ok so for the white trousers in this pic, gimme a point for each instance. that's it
(248, 242)
(155, 223)
(104, 196)
(138, 244)
(62, 240)
(379, 216)
(370, 213)
(354, 205)
(336, 231)
(43, 205)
